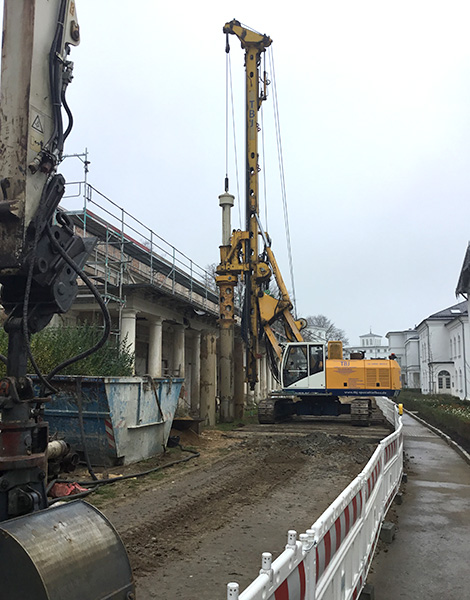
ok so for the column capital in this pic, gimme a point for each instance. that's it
(155, 320)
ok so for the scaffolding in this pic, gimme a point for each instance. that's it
(129, 253)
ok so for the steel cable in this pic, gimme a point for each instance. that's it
(283, 181)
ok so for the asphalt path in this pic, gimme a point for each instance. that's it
(429, 557)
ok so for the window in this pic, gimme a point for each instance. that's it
(316, 359)
(450, 355)
(443, 380)
(295, 366)
(458, 345)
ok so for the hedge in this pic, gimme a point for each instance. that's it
(447, 413)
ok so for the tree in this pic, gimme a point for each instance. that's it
(323, 323)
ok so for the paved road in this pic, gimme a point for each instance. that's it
(429, 558)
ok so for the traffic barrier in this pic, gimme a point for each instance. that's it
(331, 560)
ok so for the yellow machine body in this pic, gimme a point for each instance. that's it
(372, 375)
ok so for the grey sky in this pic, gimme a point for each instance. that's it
(374, 110)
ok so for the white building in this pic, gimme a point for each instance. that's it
(371, 344)
(443, 348)
(314, 333)
(405, 346)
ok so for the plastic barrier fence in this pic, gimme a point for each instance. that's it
(331, 560)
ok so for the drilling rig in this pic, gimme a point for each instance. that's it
(315, 378)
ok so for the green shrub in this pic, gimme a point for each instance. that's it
(53, 345)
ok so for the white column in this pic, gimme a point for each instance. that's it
(196, 374)
(155, 346)
(178, 350)
(128, 330)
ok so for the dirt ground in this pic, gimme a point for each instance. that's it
(194, 527)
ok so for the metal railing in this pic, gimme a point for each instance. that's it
(134, 253)
(331, 560)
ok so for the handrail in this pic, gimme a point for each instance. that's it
(131, 233)
(331, 560)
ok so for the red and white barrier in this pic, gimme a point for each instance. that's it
(332, 559)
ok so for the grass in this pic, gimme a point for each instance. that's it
(448, 413)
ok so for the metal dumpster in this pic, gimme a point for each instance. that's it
(125, 419)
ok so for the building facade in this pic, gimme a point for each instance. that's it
(405, 346)
(443, 348)
(371, 344)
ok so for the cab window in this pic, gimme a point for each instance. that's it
(316, 359)
(296, 365)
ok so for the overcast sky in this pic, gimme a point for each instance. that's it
(374, 102)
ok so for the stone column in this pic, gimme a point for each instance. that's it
(239, 379)
(128, 330)
(155, 346)
(196, 374)
(208, 377)
(178, 351)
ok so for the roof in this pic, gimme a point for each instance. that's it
(370, 334)
(463, 284)
(451, 312)
(447, 314)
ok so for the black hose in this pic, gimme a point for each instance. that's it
(99, 483)
(56, 141)
(27, 292)
(98, 298)
(50, 485)
(69, 115)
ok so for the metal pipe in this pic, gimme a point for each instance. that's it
(226, 202)
(56, 449)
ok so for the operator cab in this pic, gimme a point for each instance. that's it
(303, 366)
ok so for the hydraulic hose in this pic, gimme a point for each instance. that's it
(97, 484)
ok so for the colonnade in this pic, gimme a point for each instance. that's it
(190, 352)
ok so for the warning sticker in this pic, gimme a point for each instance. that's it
(37, 125)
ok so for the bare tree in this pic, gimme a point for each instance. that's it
(324, 323)
(209, 276)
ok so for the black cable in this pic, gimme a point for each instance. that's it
(98, 298)
(69, 115)
(27, 293)
(50, 485)
(99, 483)
(54, 77)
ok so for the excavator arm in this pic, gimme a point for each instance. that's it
(73, 547)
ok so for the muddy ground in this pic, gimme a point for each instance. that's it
(194, 527)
